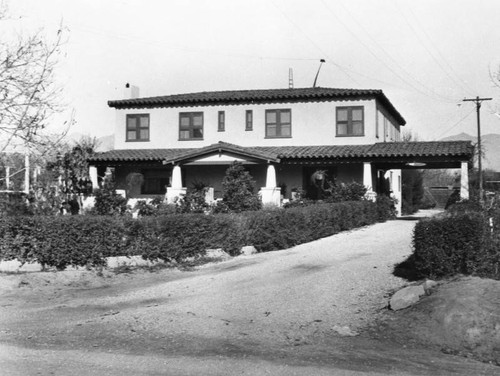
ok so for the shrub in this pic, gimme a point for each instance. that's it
(61, 241)
(450, 245)
(279, 229)
(345, 192)
(156, 207)
(14, 203)
(238, 190)
(386, 208)
(194, 200)
(108, 202)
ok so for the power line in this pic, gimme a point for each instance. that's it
(478, 102)
(454, 125)
(313, 42)
(463, 84)
(434, 58)
(432, 92)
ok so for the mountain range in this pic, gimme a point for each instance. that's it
(490, 147)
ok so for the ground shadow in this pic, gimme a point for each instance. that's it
(407, 270)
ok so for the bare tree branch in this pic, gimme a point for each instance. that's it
(29, 96)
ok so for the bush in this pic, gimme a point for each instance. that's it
(156, 207)
(386, 208)
(280, 229)
(345, 192)
(194, 200)
(108, 202)
(14, 203)
(62, 240)
(238, 190)
(459, 243)
(176, 237)
(87, 240)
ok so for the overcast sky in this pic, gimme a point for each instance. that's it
(425, 55)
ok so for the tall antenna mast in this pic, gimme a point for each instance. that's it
(317, 73)
(290, 78)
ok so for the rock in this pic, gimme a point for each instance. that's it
(217, 253)
(406, 297)
(344, 331)
(429, 286)
(248, 250)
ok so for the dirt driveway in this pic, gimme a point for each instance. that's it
(302, 311)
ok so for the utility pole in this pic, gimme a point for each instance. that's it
(478, 102)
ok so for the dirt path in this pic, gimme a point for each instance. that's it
(302, 311)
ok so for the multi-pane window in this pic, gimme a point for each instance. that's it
(137, 127)
(278, 123)
(221, 121)
(350, 121)
(191, 126)
(249, 120)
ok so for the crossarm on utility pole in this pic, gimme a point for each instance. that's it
(478, 102)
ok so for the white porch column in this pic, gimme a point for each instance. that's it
(464, 181)
(271, 177)
(271, 193)
(175, 190)
(367, 176)
(394, 177)
(368, 181)
(93, 177)
(176, 177)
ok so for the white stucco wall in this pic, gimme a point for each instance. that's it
(312, 124)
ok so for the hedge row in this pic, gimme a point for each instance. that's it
(59, 241)
(87, 240)
(458, 243)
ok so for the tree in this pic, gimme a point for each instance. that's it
(238, 187)
(72, 166)
(29, 95)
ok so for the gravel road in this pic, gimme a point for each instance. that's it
(301, 311)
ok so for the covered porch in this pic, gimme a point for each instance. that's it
(279, 172)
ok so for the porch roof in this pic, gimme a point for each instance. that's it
(440, 153)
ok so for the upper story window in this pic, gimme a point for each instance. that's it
(191, 126)
(249, 120)
(221, 127)
(137, 127)
(278, 123)
(350, 121)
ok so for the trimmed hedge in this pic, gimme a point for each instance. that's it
(459, 243)
(61, 241)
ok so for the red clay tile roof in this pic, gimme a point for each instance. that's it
(210, 98)
(139, 155)
(379, 150)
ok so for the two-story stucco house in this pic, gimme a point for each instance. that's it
(282, 136)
